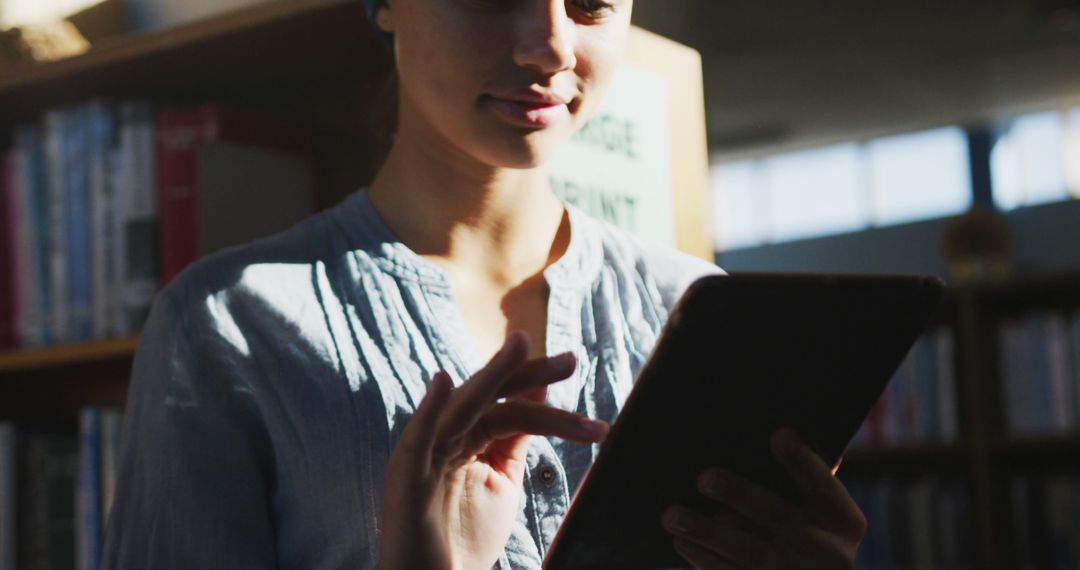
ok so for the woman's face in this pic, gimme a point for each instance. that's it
(505, 81)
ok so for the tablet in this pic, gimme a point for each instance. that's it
(739, 357)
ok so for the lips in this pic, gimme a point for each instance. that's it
(531, 110)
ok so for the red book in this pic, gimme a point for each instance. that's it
(181, 136)
(8, 227)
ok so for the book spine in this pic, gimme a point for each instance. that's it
(1014, 372)
(946, 364)
(180, 133)
(141, 248)
(8, 506)
(101, 203)
(55, 130)
(1074, 350)
(1057, 355)
(33, 267)
(1040, 412)
(88, 495)
(78, 219)
(118, 180)
(8, 248)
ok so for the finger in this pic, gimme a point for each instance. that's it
(824, 497)
(758, 504)
(538, 373)
(476, 395)
(701, 558)
(532, 418)
(419, 434)
(714, 535)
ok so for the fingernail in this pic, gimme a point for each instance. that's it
(678, 519)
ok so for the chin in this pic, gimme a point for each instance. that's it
(522, 150)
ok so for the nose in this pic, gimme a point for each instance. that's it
(545, 38)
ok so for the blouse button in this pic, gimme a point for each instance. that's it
(547, 475)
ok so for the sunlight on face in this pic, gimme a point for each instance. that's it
(504, 82)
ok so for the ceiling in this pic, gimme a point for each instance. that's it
(783, 74)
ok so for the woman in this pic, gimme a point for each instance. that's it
(320, 398)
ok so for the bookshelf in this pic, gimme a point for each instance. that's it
(17, 361)
(989, 456)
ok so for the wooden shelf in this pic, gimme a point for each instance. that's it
(278, 51)
(18, 361)
(905, 459)
(1025, 293)
(1039, 451)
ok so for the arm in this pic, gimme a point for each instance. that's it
(195, 474)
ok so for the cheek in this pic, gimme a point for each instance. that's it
(441, 58)
(598, 60)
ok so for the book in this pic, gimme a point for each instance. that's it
(135, 224)
(88, 518)
(101, 139)
(8, 245)
(946, 385)
(1074, 359)
(47, 502)
(56, 129)
(1012, 340)
(181, 135)
(8, 486)
(33, 285)
(914, 523)
(77, 231)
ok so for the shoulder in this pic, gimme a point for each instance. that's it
(276, 273)
(668, 270)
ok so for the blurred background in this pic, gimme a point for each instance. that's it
(838, 136)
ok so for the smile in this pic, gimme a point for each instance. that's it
(530, 114)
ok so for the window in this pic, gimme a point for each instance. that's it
(740, 208)
(814, 193)
(919, 176)
(841, 188)
(1029, 160)
(1072, 152)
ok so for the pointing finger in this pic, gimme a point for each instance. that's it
(476, 395)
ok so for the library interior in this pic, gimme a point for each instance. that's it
(772, 136)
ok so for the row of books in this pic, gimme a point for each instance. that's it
(55, 492)
(916, 524)
(1046, 522)
(919, 404)
(1040, 366)
(102, 203)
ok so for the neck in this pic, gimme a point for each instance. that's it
(500, 224)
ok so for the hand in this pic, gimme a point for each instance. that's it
(762, 531)
(454, 482)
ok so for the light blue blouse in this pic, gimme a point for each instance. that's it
(273, 380)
